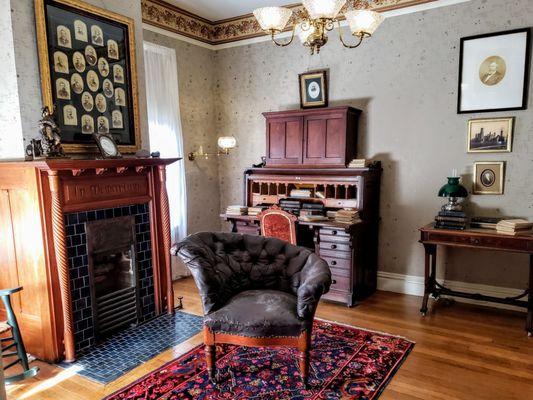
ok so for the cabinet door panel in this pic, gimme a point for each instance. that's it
(315, 138)
(325, 139)
(334, 139)
(284, 141)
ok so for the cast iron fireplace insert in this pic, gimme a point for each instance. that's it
(113, 274)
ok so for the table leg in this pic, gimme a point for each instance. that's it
(529, 321)
(429, 274)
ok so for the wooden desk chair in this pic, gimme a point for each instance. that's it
(279, 224)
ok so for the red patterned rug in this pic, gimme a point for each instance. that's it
(346, 363)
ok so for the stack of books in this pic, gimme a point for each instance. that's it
(514, 226)
(312, 209)
(347, 216)
(451, 220)
(312, 218)
(253, 211)
(236, 210)
(359, 163)
(292, 206)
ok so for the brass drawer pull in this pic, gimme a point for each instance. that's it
(474, 240)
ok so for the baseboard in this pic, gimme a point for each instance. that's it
(414, 285)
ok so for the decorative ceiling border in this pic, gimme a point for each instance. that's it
(174, 19)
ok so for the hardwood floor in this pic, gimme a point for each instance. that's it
(462, 351)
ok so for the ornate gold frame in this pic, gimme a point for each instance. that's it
(44, 64)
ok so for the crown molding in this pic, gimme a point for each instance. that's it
(168, 17)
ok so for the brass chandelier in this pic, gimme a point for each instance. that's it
(320, 18)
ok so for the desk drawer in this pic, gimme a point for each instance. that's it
(334, 239)
(334, 232)
(336, 246)
(489, 242)
(338, 263)
(340, 203)
(340, 282)
(325, 253)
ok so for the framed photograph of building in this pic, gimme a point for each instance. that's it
(493, 71)
(490, 135)
(489, 177)
(313, 89)
(88, 73)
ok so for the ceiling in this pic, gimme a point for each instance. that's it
(215, 10)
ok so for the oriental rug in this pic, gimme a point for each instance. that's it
(346, 363)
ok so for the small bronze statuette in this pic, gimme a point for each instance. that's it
(50, 135)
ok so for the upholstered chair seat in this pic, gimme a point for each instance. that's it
(255, 290)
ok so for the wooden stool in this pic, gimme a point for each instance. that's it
(15, 340)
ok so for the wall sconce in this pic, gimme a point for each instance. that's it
(224, 142)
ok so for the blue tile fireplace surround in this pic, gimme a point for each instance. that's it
(80, 279)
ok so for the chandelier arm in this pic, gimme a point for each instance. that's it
(349, 46)
(272, 36)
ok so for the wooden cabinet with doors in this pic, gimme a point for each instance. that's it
(325, 137)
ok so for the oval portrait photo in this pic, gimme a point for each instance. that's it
(492, 70)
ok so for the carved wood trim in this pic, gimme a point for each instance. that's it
(121, 170)
(100, 171)
(165, 227)
(77, 172)
(140, 168)
(60, 249)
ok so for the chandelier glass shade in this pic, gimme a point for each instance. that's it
(321, 16)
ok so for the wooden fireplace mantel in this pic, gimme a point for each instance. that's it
(34, 197)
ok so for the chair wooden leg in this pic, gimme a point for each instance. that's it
(303, 356)
(210, 357)
(304, 366)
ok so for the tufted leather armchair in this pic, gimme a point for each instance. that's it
(255, 291)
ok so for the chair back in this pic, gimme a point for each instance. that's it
(279, 224)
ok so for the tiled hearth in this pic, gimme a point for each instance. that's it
(127, 349)
(76, 230)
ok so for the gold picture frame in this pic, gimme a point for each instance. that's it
(47, 85)
(490, 135)
(488, 177)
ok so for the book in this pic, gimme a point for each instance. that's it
(452, 214)
(312, 218)
(305, 193)
(514, 224)
(453, 227)
(453, 219)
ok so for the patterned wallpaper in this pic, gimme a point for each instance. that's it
(405, 80)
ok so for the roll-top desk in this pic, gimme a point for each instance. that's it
(349, 250)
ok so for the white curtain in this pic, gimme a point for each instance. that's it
(165, 127)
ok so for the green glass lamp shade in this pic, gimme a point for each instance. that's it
(453, 188)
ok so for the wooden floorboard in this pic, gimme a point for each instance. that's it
(462, 352)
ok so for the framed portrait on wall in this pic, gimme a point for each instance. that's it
(313, 89)
(88, 73)
(489, 177)
(494, 71)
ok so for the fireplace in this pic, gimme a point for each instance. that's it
(47, 211)
(113, 274)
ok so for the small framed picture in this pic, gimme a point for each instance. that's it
(107, 146)
(489, 177)
(491, 135)
(493, 71)
(313, 89)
